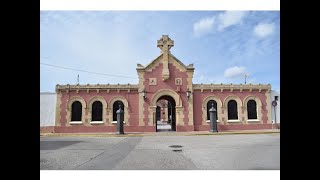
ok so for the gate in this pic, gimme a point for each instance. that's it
(165, 116)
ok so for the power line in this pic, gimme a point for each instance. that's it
(85, 71)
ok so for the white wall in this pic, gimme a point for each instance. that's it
(47, 109)
(277, 108)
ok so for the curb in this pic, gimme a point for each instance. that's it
(156, 134)
(230, 133)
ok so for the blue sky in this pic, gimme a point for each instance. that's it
(222, 45)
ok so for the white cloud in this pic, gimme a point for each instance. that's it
(203, 26)
(264, 29)
(218, 22)
(234, 72)
(230, 18)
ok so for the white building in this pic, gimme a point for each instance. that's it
(275, 96)
(47, 111)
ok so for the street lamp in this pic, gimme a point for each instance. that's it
(144, 93)
(274, 104)
(188, 93)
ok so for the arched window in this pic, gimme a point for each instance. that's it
(252, 109)
(232, 110)
(209, 105)
(76, 111)
(115, 109)
(96, 111)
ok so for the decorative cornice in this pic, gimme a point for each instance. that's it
(97, 87)
(130, 87)
(154, 62)
(188, 68)
(150, 65)
(232, 87)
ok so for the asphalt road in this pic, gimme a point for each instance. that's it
(219, 152)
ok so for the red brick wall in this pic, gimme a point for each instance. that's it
(47, 129)
(131, 97)
(133, 101)
(102, 128)
(168, 84)
(199, 96)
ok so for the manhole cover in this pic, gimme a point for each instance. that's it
(175, 146)
(177, 150)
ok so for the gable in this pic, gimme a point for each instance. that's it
(172, 59)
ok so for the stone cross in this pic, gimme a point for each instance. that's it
(165, 43)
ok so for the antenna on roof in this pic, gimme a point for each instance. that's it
(245, 78)
(78, 80)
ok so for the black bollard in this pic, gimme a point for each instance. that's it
(213, 121)
(120, 120)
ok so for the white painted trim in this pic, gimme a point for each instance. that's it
(115, 122)
(234, 120)
(96, 122)
(253, 120)
(75, 122)
(208, 121)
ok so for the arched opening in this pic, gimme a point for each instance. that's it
(165, 114)
(232, 110)
(115, 108)
(96, 111)
(252, 109)
(209, 106)
(76, 111)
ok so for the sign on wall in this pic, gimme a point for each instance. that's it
(274, 103)
(178, 81)
(152, 81)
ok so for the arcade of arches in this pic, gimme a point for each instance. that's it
(165, 99)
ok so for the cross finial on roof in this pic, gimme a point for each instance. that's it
(165, 43)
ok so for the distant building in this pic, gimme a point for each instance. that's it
(165, 93)
(47, 111)
(275, 110)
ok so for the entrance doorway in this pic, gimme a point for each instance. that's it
(165, 114)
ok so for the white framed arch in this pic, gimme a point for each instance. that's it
(104, 108)
(259, 108)
(177, 99)
(69, 109)
(126, 109)
(239, 108)
(204, 108)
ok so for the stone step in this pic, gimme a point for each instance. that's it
(164, 126)
(162, 122)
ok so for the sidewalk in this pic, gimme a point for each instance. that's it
(172, 133)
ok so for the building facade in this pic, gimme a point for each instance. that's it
(47, 112)
(275, 110)
(165, 94)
